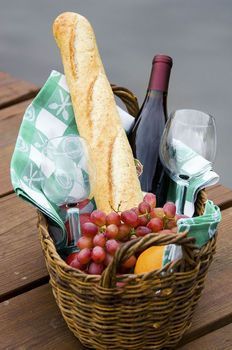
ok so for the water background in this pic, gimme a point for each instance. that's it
(196, 33)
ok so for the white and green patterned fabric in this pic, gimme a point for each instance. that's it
(195, 185)
(198, 169)
(202, 228)
(187, 161)
(49, 115)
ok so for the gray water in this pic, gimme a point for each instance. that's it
(196, 33)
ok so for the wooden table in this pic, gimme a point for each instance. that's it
(30, 318)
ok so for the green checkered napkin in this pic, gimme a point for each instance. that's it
(187, 161)
(195, 185)
(198, 169)
(49, 115)
(202, 228)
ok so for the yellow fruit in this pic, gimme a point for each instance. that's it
(150, 260)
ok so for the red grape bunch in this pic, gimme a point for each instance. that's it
(103, 234)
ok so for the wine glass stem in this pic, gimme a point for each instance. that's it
(74, 224)
(182, 198)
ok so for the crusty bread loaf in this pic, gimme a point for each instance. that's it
(96, 114)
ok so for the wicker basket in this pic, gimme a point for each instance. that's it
(148, 311)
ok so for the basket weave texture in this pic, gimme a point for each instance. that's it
(147, 311)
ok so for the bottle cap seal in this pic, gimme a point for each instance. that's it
(161, 67)
(162, 58)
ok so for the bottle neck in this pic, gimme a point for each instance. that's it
(160, 75)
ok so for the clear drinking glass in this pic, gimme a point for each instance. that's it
(188, 147)
(67, 176)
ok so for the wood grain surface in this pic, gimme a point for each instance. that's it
(33, 321)
(221, 339)
(13, 90)
(222, 196)
(22, 261)
(10, 120)
(215, 306)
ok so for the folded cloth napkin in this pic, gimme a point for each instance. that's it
(195, 185)
(186, 161)
(202, 228)
(49, 115)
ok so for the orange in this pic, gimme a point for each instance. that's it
(150, 260)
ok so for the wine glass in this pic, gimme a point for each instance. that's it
(67, 176)
(188, 147)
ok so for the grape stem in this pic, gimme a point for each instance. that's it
(119, 206)
(148, 216)
(132, 232)
(118, 209)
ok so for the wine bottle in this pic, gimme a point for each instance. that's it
(146, 133)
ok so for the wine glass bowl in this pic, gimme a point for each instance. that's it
(67, 175)
(188, 145)
(66, 170)
(192, 131)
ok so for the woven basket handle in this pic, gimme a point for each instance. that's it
(108, 278)
(128, 98)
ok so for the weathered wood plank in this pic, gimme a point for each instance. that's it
(10, 120)
(42, 326)
(5, 159)
(33, 321)
(13, 90)
(215, 306)
(21, 260)
(222, 196)
(220, 339)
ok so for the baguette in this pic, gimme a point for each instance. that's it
(96, 114)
